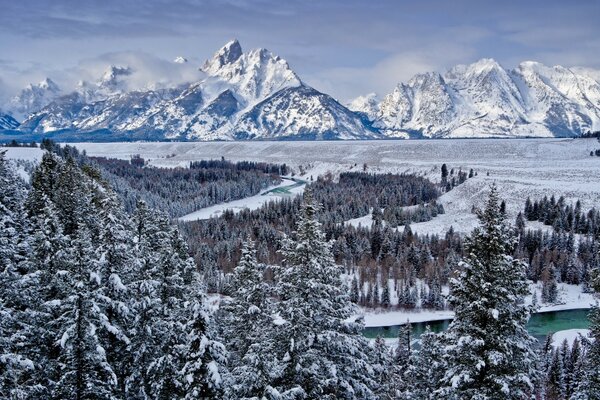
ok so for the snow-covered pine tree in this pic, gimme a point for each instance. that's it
(403, 348)
(204, 357)
(589, 380)
(425, 369)
(383, 364)
(84, 370)
(158, 328)
(488, 349)
(45, 287)
(44, 181)
(550, 285)
(555, 386)
(323, 352)
(254, 366)
(575, 367)
(385, 293)
(13, 305)
(354, 290)
(117, 262)
(146, 303)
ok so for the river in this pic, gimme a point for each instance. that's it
(539, 325)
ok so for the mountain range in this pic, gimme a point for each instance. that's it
(256, 95)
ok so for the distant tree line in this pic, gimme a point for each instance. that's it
(14, 143)
(562, 216)
(590, 134)
(450, 179)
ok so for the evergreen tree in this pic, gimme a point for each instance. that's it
(550, 285)
(384, 370)
(116, 265)
(84, 370)
(488, 350)
(204, 357)
(425, 369)
(403, 349)
(589, 386)
(13, 252)
(385, 294)
(248, 311)
(555, 378)
(324, 354)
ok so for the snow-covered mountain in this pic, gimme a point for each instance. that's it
(483, 99)
(245, 95)
(34, 97)
(256, 95)
(7, 122)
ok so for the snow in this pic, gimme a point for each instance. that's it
(571, 298)
(520, 168)
(570, 334)
(33, 154)
(375, 318)
(251, 203)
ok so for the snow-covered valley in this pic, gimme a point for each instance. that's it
(520, 168)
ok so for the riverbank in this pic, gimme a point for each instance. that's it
(571, 298)
(287, 187)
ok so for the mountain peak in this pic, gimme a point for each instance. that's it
(227, 54)
(180, 60)
(113, 72)
(48, 84)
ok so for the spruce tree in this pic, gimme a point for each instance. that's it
(116, 265)
(323, 352)
(425, 369)
(488, 349)
(204, 358)
(84, 370)
(13, 304)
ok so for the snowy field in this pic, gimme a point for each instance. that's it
(252, 203)
(569, 335)
(521, 168)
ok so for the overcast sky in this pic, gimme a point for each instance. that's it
(344, 48)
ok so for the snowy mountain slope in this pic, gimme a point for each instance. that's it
(241, 95)
(302, 112)
(7, 122)
(33, 98)
(367, 105)
(256, 95)
(483, 99)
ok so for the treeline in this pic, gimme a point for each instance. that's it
(561, 216)
(277, 169)
(180, 191)
(177, 191)
(94, 303)
(14, 143)
(396, 216)
(450, 179)
(590, 134)
(355, 194)
(373, 255)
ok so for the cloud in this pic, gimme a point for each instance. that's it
(146, 70)
(344, 48)
(381, 78)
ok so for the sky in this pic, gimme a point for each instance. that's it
(344, 48)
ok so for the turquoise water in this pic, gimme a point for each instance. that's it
(286, 189)
(540, 324)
